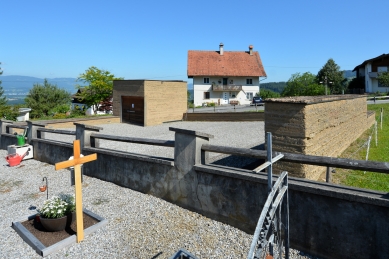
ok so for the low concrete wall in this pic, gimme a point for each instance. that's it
(326, 220)
(224, 116)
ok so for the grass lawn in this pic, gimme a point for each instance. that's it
(368, 180)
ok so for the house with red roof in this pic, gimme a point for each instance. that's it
(225, 77)
(370, 69)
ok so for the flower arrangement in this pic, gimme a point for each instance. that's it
(58, 206)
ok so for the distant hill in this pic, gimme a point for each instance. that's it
(17, 87)
(20, 83)
(277, 87)
(349, 74)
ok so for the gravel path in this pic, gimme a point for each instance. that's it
(140, 225)
(233, 134)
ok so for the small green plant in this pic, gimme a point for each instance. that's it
(60, 116)
(58, 206)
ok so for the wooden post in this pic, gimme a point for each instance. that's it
(376, 137)
(382, 110)
(77, 161)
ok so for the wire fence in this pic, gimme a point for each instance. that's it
(366, 145)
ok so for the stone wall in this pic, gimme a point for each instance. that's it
(315, 125)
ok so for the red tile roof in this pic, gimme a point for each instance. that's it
(231, 63)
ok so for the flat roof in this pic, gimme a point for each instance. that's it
(314, 99)
(151, 80)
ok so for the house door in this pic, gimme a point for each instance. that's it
(133, 109)
(226, 97)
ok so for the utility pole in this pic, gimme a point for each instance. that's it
(325, 83)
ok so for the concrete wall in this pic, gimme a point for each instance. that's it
(224, 116)
(326, 220)
(315, 125)
(163, 100)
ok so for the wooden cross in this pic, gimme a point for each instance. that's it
(77, 161)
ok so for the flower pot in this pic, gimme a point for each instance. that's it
(54, 225)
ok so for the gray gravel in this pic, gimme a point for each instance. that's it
(140, 225)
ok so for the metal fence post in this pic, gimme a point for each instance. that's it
(269, 159)
(328, 175)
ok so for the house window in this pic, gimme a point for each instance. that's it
(249, 81)
(249, 96)
(206, 80)
(207, 95)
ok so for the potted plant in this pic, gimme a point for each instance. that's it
(58, 212)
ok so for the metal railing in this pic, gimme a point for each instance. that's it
(154, 142)
(229, 87)
(273, 219)
(56, 131)
(329, 162)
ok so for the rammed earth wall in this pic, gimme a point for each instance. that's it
(163, 100)
(315, 125)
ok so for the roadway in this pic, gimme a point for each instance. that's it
(227, 108)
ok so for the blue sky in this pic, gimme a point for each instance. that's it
(149, 39)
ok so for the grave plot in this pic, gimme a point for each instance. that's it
(46, 238)
(44, 242)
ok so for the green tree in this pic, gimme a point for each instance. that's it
(383, 79)
(331, 72)
(43, 99)
(265, 93)
(302, 85)
(99, 86)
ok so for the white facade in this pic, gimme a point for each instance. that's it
(371, 82)
(228, 90)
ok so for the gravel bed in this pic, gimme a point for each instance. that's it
(140, 225)
(233, 134)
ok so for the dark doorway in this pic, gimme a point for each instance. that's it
(133, 110)
(225, 81)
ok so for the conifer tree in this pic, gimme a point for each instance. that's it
(331, 73)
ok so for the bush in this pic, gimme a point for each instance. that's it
(265, 93)
(78, 111)
(211, 104)
(63, 108)
(60, 116)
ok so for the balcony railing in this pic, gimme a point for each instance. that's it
(373, 74)
(228, 87)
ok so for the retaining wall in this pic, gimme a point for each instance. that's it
(224, 116)
(315, 125)
(326, 220)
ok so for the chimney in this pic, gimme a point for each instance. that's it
(251, 50)
(221, 49)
